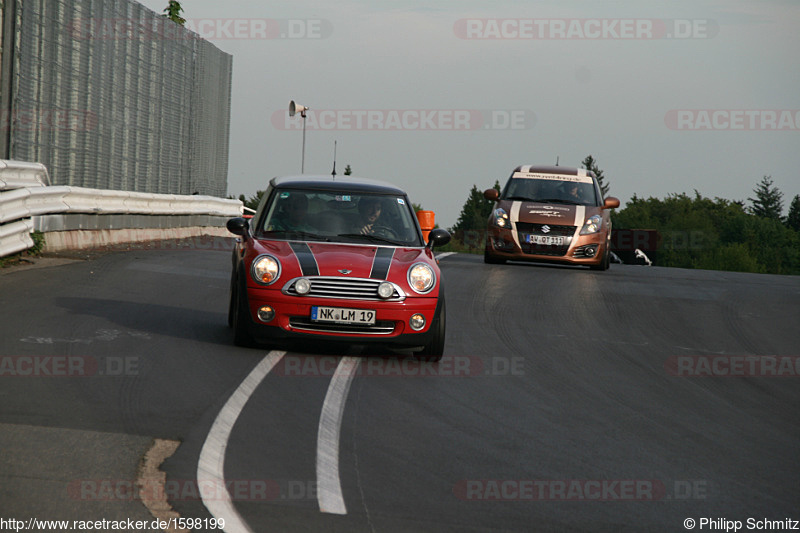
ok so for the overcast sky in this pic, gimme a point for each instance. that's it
(668, 97)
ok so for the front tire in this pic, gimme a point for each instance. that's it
(489, 259)
(240, 320)
(433, 351)
(232, 300)
(604, 263)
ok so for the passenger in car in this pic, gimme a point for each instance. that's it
(369, 210)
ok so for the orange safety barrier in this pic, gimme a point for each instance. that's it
(426, 222)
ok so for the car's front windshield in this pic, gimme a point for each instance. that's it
(339, 216)
(551, 188)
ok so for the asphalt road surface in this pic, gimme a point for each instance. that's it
(627, 400)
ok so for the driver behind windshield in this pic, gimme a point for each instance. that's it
(578, 193)
(574, 193)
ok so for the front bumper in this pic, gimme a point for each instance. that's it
(292, 320)
(585, 250)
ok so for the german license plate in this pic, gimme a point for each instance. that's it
(343, 315)
(546, 240)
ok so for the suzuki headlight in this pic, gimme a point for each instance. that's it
(501, 218)
(266, 269)
(592, 225)
(421, 277)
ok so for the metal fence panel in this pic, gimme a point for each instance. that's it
(110, 95)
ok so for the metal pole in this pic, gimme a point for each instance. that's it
(303, 162)
(334, 160)
(6, 74)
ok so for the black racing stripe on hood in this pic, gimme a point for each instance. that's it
(308, 265)
(381, 263)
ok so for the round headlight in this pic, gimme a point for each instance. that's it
(385, 290)
(302, 286)
(266, 269)
(421, 277)
(592, 225)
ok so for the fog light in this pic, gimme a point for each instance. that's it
(417, 322)
(590, 251)
(266, 313)
(302, 286)
(500, 244)
(385, 290)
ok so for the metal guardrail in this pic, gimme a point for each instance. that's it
(28, 202)
(18, 174)
(15, 231)
(24, 194)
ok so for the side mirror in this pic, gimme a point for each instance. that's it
(438, 237)
(238, 226)
(611, 203)
(491, 194)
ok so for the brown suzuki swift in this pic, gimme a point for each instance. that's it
(551, 214)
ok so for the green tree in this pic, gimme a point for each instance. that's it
(475, 212)
(793, 220)
(253, 201)
(718, 234)
(768, 202)
(348, 170)
(590, 163)
(173, 12)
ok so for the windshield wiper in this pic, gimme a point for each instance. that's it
(558, 201)
(298, 234)
(373, 238)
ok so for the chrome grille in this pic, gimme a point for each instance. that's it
(344, 288)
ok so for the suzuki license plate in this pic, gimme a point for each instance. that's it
(546, 240)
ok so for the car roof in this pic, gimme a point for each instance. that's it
(566, 171)
(329, 183)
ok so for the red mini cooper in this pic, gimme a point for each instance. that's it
(337, 260)
(550, 214)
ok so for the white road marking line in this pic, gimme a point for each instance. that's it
(211, 466)
(443, 255)
(329, 486)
